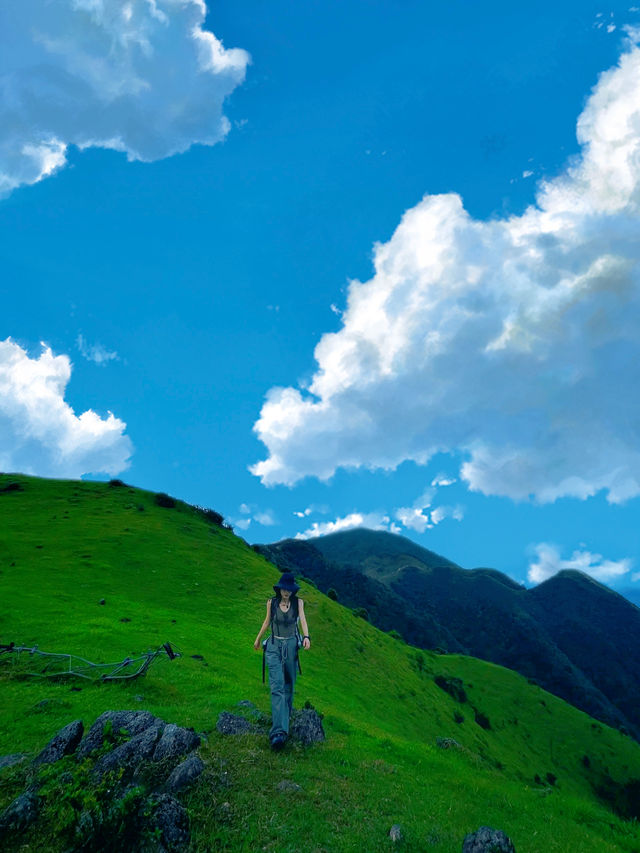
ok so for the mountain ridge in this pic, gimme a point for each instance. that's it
(432, 602)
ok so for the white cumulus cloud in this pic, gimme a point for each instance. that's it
(548, 562)
(511, 341)
(142, 77)
(372, 520)
(40, 433)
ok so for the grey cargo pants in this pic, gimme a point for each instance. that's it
(282, 662)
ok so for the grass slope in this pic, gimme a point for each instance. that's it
(64, 546)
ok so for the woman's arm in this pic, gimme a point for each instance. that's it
(265, 625)
(303, 621)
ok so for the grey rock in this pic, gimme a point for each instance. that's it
(232, 724)
(447, 743)
(129, 754)
(173, 822)
(133, 721)
(185, 774)
(306, 727)
(487, 840)
(63, 743)
(175, 741)
(22, 812)
(10, 760)
(288, 787)
(395, 833)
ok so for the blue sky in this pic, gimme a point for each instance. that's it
(443, 198)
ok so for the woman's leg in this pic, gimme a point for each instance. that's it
(290, 670)
(279, 706)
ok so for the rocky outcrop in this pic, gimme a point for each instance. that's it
(487, 840)
(64, 743)
(133, 722)
(22, 812)
(305, 725)
(144, 762)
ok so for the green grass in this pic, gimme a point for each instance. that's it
(64, 546)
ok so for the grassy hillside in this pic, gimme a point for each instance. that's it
(577, 638)
(528, 763)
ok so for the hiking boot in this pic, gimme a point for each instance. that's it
(278, 742)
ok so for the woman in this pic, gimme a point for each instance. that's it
(281, 650)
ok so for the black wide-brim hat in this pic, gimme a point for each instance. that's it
(287, 581)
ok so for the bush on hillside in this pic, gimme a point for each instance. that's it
(117, 484)
(481, 719)
(210, 515)
(164, 500)
(362, 612)
(453, 686)
(333, 595)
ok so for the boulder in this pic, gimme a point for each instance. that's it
(487, 840)
(172, 820)
(174, 742)
(20, 814)
(185, 774)
(133, 721)
(61, 744)
(306, 727)
(232, 724)
(288, 787)
(447, 743)
(395, 833)
(129, 754)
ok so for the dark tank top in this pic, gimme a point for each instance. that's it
(284, 624)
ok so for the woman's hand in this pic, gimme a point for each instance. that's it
(306, 643)
(256, 645)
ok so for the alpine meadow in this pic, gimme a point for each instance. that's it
(437, 744)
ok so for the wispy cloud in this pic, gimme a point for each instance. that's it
(95, 352)
(548, 562)
(264, 517)
(39, 431)
(143, 78)
(443, 480)
(502, 340)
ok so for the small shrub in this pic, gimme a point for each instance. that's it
(453, 686)
(586, 761)
(12, 487)
(419, 661)
(210, 515)
(333, 595)
(164, 500)
(458, 717)
(396, 635)
(551, 778)
(481, 719)
(361, 612)
(117, 484)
